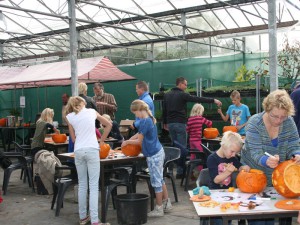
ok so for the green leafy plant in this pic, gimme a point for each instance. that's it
(288, 61)
(243, 74)
(14, 112)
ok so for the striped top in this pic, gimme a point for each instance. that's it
(258, 142)
(111, 106)
(194, 127)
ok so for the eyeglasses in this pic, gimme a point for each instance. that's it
(281, 118)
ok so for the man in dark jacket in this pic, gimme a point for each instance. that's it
(174, 113)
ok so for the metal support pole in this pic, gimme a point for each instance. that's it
(197, 87)
(258, 105)
(183, 23)
(73, 47)
(244, 49)
(200, 85)
(210, 50)
(272, 45)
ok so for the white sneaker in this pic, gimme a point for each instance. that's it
(167, 205)
(157, 212)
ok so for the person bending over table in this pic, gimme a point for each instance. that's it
(153, 150)
(274, 132)
(222, 163)
(81, 123)
(44, 125)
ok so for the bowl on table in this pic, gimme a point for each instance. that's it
(59, 138)
(131, 150)
(230, 128)
(210, 133)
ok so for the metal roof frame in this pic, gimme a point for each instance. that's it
(127, 27)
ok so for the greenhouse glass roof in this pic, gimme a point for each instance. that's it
(32, 29)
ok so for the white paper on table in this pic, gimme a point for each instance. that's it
(231, 197)
(260, 205)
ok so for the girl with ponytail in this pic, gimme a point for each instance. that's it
(154, 152)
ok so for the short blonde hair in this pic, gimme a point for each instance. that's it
(197, 110)
(106, 116)
(231, 138)
(47, 115)
(279, 99)
(82, 89)
(74, 104)
(235, 94)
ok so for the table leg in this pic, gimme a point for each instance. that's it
(225, 220)
(103, 216)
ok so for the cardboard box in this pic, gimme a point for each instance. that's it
(125, 127)
(126, 122)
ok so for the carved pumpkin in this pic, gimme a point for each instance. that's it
(104, 151)
(59, 138)
(230, 128)
(210, 133)
(3, 122)
(254, 181)
(286, 179)
(131, 150)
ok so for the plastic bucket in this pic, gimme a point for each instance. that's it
(132, 208)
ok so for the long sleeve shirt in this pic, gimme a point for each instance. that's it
(194, 127)
(174, 106)
(258, 142)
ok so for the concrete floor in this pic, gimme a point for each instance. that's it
(21, 206)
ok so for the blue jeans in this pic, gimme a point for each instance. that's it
(261, 221)
(87, 163)
(218, 221)
(178, 133)
(156, 170)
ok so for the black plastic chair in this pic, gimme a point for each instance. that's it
(171, 154)
(25, 150)
(190, 164)
(116, 177)
(19, 162)
(62, 183)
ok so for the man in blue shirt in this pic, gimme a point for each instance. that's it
(142, 91)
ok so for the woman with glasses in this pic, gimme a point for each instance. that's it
(271, 137)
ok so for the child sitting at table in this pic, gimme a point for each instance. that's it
(194, 128)
(115, 131)
(222, 163)
(153, 150)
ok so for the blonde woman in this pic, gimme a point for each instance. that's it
(153, 150)
(81, 123)
(273, 131)
(194, 128)
(44, 125)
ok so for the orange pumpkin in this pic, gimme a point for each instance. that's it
(230, 128)
(210, 133)
(254, 181)
(286, 179)
(3, 122)
(131, 150)
(104, 151)
(59, 138)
